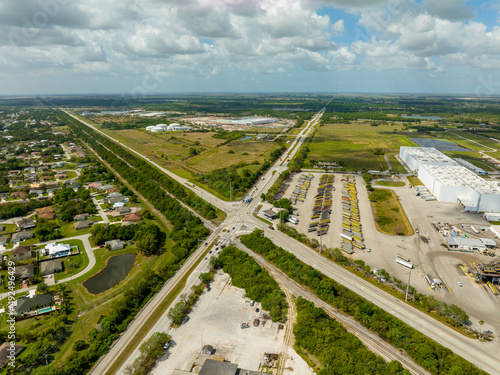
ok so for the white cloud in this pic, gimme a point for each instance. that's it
(199, 39)
(453, 10)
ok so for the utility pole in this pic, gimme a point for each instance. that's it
(407, 286)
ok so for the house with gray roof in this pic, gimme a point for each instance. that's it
(26, 305)
(21, 236)
(83, 224)
(25, 272)
(49, 267)
(115, 245)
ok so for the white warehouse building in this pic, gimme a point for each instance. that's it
(414, 157)
(450, 182)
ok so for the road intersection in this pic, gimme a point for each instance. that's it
(240, 219)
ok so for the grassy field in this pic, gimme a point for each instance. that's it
(354, 145)
(172, 150)
(396, 165)
(388, 213)
(391, 183)
(414, 180)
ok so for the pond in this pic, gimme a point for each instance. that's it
(115, 271)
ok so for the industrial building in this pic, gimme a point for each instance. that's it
(450, 182)
(212, 367)
(415, 157)
(456, 183)
(164, 127)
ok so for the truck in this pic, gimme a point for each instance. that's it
(293, 220)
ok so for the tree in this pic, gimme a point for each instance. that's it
(481, 322)
(176, 313)
(42, 288)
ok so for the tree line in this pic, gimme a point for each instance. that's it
(142, 172)
(339, 351)
(432, 356)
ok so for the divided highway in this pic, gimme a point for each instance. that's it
(239, 213)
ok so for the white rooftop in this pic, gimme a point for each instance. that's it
(461, 176)
(54, 248)
(429, 155)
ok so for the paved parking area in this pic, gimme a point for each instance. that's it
(216, 320)
(425, 249)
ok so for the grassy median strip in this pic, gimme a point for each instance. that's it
(153, 318)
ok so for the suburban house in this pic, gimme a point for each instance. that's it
(58, 250)
(45, 210)
(4, 241)
(118, 204)
(123, 210)
(21, 236)
(25, 272)
(26, 305)
(21, 252)
(26, 223)
(19, 195)
(106, 187)
(47, 216)
(116, 200)
(83, 224)
(115, 245)
(80, 217)
(93, 185)
(132, 217)
(51, 266)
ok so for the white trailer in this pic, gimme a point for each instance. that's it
(404, 263)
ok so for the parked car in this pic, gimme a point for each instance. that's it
(244, 325)
(167, 345)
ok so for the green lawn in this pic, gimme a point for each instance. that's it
(396, 165)
(388, 213)
(391, 183)
(414, 181)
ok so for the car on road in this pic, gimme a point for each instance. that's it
(244, 325)
(460, 283)
(210, 252)
(167, 345)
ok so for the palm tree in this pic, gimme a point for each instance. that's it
(481, 322)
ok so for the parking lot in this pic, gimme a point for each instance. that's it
(216, 320)
(425, 249)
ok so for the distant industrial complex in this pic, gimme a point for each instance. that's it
(450, 182)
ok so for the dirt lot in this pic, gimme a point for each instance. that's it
(425, 249)
(215, 320)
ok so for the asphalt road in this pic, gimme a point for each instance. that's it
(240, 215)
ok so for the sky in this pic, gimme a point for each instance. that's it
(146, 47)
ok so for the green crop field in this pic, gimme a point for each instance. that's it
(354, 146)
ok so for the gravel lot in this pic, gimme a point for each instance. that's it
(216, 320)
